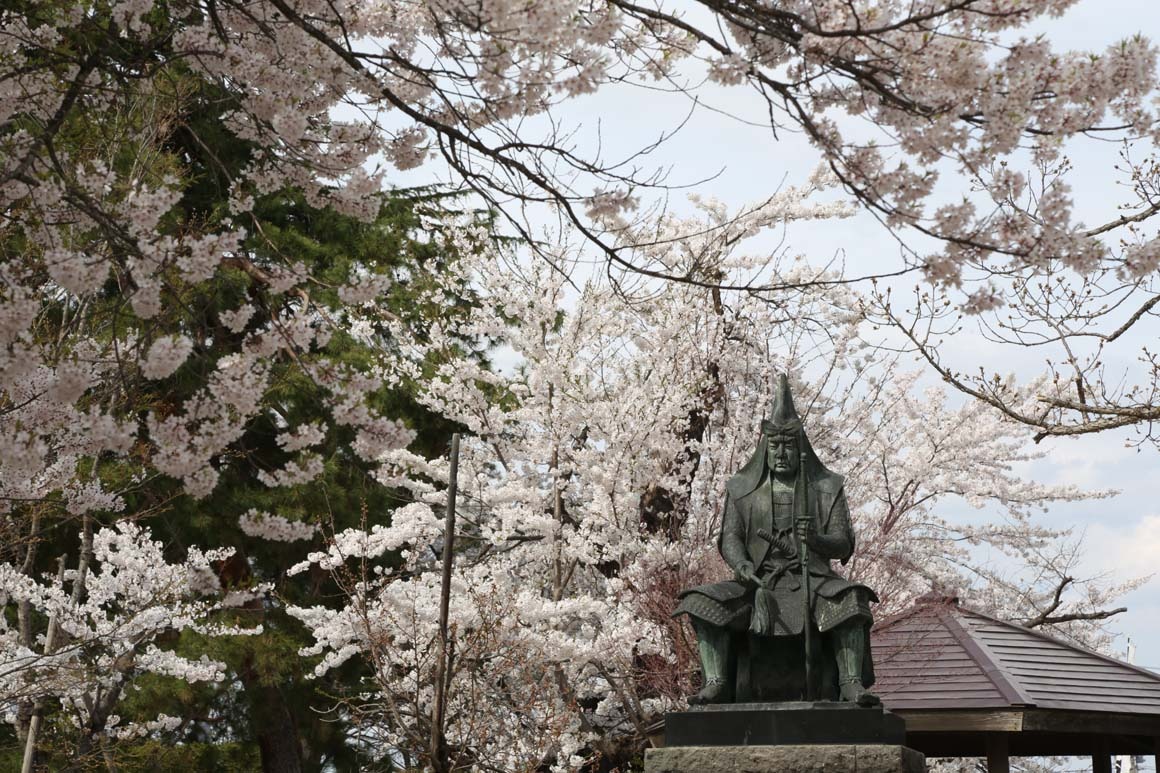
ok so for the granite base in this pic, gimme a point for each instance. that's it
(805, 758)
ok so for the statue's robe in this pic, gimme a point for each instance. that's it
(754, 511)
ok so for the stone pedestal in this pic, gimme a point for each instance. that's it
(804, 758)
(795, 737)
(769, 724)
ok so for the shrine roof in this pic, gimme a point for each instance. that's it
(940, 655)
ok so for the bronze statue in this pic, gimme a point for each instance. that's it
(787, 627)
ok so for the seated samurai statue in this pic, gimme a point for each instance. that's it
(776, 632)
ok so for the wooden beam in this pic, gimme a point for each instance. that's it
(998, 753)
(1109, 723)
(948, 744)
(1025, 744)
(967, 721)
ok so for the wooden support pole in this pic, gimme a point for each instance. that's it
(439, 761)
(49, 646)
(1102, 758)
(998, 753)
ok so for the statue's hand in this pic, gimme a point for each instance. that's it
(743, 573)
(807, 531)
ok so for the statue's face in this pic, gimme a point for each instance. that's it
(782, 455)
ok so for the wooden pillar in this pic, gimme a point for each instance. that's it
(1101, 757)
(998, 754)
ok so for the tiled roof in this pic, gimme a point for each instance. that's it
(940, 655)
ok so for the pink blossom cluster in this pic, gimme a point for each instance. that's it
(111, 613)
(165, 356)
(256, 523)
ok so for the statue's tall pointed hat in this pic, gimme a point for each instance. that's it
(783, 416)
(783, 419)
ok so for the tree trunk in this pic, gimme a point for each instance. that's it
(274, 729)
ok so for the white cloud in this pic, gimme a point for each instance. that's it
(1123, 543)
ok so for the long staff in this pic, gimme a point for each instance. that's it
(803, 514)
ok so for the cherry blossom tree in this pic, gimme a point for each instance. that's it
(945, 119)
(105, 620)
(1090, 336)
(592, 478)
(894, 95)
